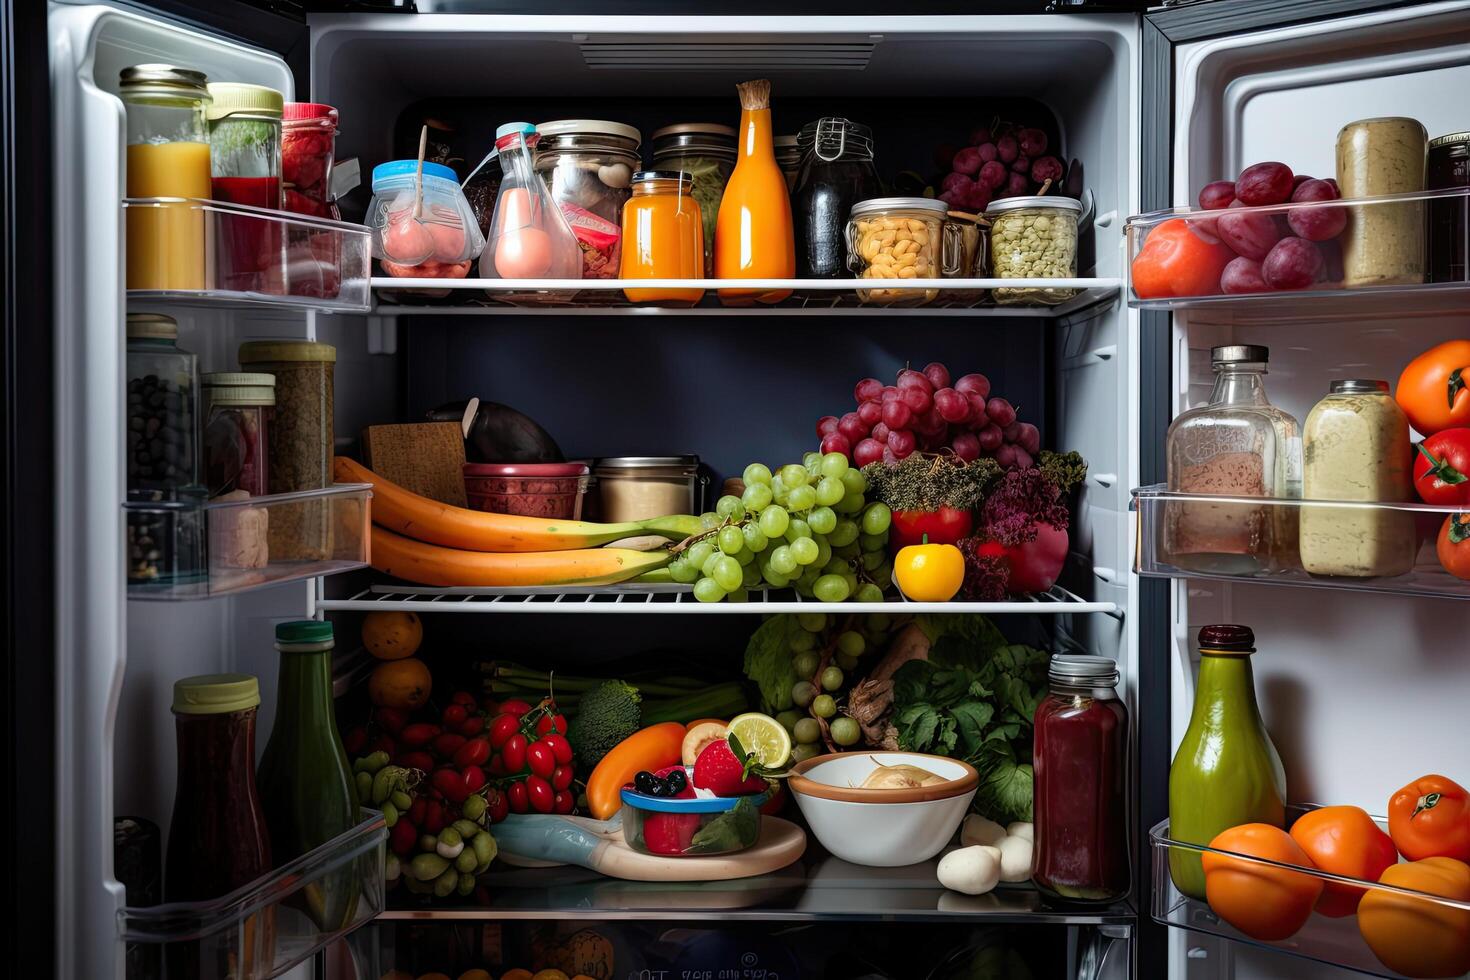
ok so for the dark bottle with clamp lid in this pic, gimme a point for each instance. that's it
(837, 171)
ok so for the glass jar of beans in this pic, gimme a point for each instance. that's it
(1033, 238)
(897, 238)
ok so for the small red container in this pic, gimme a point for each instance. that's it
(529, 489)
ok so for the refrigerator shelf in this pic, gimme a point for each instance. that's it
(1334, 941)
(818, 887)
(212, 939)
(215, 254)
(1430, 283)
(673, 599)
(968, 297)
(1235, 517)
(196, 549)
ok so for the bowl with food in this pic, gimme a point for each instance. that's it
(883, 809)
(665, 814)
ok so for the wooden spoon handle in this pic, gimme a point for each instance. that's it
(418, 178)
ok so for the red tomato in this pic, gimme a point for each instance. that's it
(1345, 841)
(499, 805)
(1442, 468)
(447, 744)
(516, 798)
(514, 753)
(540, 758)
(943, 526)
(1179, 259)
(514, 706)
(561, 777)
(1432, 390)
(454, 715)
(560, 748)
(416, 760)
(540, 794)
(463, 698)
(502, 728)
(1453, 546)
(563, 802)
(472, 753)
(551, 722)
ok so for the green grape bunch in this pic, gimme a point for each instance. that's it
(807, 526)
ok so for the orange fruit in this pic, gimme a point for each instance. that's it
(392, 635)
(1262, 901)
(1345, 841)
(1420, 937)
(400, 684)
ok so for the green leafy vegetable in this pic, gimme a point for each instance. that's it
(768, 662)
(730, 831)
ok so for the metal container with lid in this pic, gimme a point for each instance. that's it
(589, 164)
(1449, 167)
(1033, 237)
(1082, 670)
(837, 171)
(899, 238)
(636, 488)
(706, 152)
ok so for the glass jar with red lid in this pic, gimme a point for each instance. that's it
(1081, 784)
(308, 148)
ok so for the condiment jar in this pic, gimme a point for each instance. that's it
(898, 238)
(168, 156)
(706, 152)
(589, 164)
(238, 410)
(1356, 446)
(836, 172)
(1033, 238)
(972, 260)
(663, 233)
(1384, 243)
(308, 150)
(1080, 759)
(1449, 167)
(445, 232)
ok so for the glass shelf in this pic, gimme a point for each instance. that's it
(265, 928)
(1415, 526)
(1335, 941)
(195, 549)
(818, 887)
(969, 297)
(210, 253)
(1429, 282)
(675, 599)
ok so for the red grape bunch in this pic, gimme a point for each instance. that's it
(922, 411)
(1000, 161)
(1291, 250)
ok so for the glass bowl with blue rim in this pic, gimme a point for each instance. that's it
(695, 826)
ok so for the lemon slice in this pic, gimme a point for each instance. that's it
(764, 736)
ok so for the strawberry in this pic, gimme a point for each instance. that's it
(669, 833)
(722, 772)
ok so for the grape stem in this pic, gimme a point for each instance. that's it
(694, 539)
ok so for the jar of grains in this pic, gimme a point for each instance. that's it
(898, 238)
(300, 441)
(1033, 238)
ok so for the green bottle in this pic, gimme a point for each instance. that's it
(306, 786)
(1226, 771)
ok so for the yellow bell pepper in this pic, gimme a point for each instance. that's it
(929, 572)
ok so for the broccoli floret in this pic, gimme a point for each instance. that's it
(607, 714)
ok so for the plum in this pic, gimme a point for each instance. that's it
(1007, 149)
(1293, 263)
(1017, 185)
(1242, 275)
(993, 175)
(967, 161)
(1251, 234)
(955, 182)
(1021, 165)
(1264, 183)
(1046, 168)
(1033, 142)
(1320, 223)
(987, 152)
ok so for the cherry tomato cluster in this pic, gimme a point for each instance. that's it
(530, 757)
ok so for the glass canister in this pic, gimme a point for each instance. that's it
(245, 163)
(300, 441)
(308, 150)
(218, 840)
(898, 238)
(238, 410)
(162, 406)
(1081, 769)
(168, 156)
(589, 164)
(788, 158)
(1449, 167)
(706, 152)
(663, 237)
(1383, 243)
(1033, 238)
(837, 171)
(1356, 446)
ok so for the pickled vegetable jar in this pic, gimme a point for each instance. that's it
(308, 150)
(1033, 238)
(1384, 243)
(837, 171)
(706, 153)
(589, 164)
(897, 238)
(1081, 771)
(663, 237)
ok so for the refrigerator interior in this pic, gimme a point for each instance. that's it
(1345, 679)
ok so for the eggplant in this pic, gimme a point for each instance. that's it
(496, 433)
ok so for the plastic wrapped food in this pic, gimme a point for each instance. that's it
(444, 229)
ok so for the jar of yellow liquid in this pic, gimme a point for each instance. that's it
(168, 157)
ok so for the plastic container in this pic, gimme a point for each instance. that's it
(694, 827)
(664, 230)
(529, 489)
(899, 238)
(529, 237)
(1033, 238)
(706, 152)
(589, 164)
(445, 232)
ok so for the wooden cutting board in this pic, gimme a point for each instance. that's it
(425, 457)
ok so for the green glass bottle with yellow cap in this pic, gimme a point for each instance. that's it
(306, 785)
(217, 838)
(1226, 771)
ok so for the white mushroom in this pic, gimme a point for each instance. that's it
(972, 870)
(1020, 829)
(980, 830)
(1015, 859)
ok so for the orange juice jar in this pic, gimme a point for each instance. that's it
(753, 235)
(663, 237)
(168, 157)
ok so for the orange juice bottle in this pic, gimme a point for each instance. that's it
(753, 235)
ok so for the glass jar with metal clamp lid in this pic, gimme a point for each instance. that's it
(837, 171)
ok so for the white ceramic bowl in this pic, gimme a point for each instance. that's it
(882, 828)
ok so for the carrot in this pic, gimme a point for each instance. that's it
(429, 564)
(649, 749)
(703, 721)
(405, 512)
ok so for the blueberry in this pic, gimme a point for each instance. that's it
(677, 781)
(645, 782)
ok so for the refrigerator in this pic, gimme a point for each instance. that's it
(1361, 690)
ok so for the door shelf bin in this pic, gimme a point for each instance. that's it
(213, 253)
(264, 929)
(1432, 280)
(1336, 941)
(1239, 519)
(195, 549)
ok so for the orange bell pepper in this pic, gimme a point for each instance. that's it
(1430, 817)
(1420, 937)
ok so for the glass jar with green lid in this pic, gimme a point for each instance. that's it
(1226, 772)
(245, 168)
(306, 784)
(706, 153)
